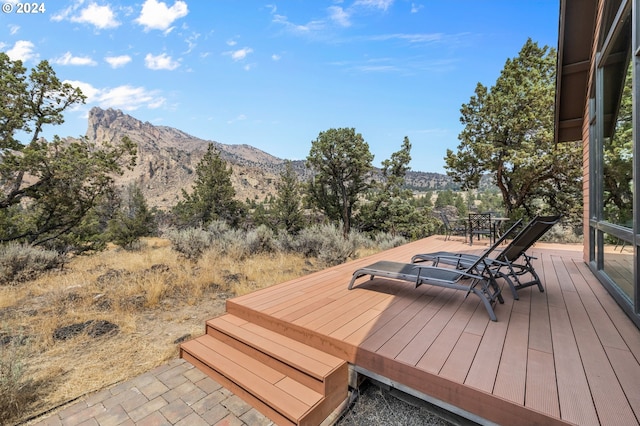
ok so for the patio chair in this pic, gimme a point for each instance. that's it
(455, 227)
(480, 224)
(484, 286)
(506, 264)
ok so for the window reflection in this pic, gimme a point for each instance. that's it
(618, 263)
(618, 148)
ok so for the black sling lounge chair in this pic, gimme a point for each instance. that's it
(506, 263)
(484, 286)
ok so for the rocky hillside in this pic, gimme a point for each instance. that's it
(167, 159)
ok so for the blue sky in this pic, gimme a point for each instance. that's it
(274, 74)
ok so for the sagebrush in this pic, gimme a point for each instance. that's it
(22, 262)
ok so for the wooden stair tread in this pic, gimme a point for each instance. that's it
(275, 389)
(305, 358)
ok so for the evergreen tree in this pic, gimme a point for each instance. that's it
(287, 209)
(47, 189)
(444, 199)
(509, 133)
(390, 207)
(460, 204)
(133, 220)
(340, 161)
(212, 197)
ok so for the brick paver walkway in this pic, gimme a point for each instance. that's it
(173, 394)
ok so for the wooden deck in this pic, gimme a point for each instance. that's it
(565, 356)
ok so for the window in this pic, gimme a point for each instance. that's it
(613, 208)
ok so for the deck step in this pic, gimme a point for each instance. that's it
(288, 381)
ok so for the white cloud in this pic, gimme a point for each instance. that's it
(191, 41)
(276, 57)
(240, 54)
(127, 98)
(22, 50)
(413, 38)
(66, 12)
(231, 42)
(157, 103)
(130, 98)
(339, 16)
(69, 59)
(241, 117)
(87, 89)
(416, 7)
(118, 61)
(376, 4)
(160, 62)
(157, 15)
(13, 29)
(101, 17)
(298, 28)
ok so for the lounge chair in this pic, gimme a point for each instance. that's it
(506, 264)
(482, 285)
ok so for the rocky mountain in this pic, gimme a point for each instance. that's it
(167, 159)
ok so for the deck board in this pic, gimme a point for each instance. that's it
(565, 355)
(541, 390)
(438, 353)
(459, 361)
(511, 377)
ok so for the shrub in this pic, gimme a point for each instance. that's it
(16, 391)
(285, 241)
(335, 248)
(561, 233)
(324, 242)
(385, 241)
(217, 229)
(327, 243)
(218, 236)
(22, 262)
(308, 242)
(261, 240)
(232, 243)
(190, 242)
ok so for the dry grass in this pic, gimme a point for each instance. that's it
(153, 296)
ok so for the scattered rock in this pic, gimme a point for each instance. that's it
(134, 302)
(7, 339)
(101, 328)
(110, 275)
(102, 302)
(159, 268)
(72, 297)
(93, 328)
(69, 331)
(182, 339)
(225, 296)
(233, 278)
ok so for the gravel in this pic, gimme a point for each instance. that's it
(377, 405)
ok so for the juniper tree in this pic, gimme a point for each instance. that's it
(340, 161)
(133, 220)
(390, 207)
(48, 188)
(508, 133)
(212, 195)
(287, 206)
